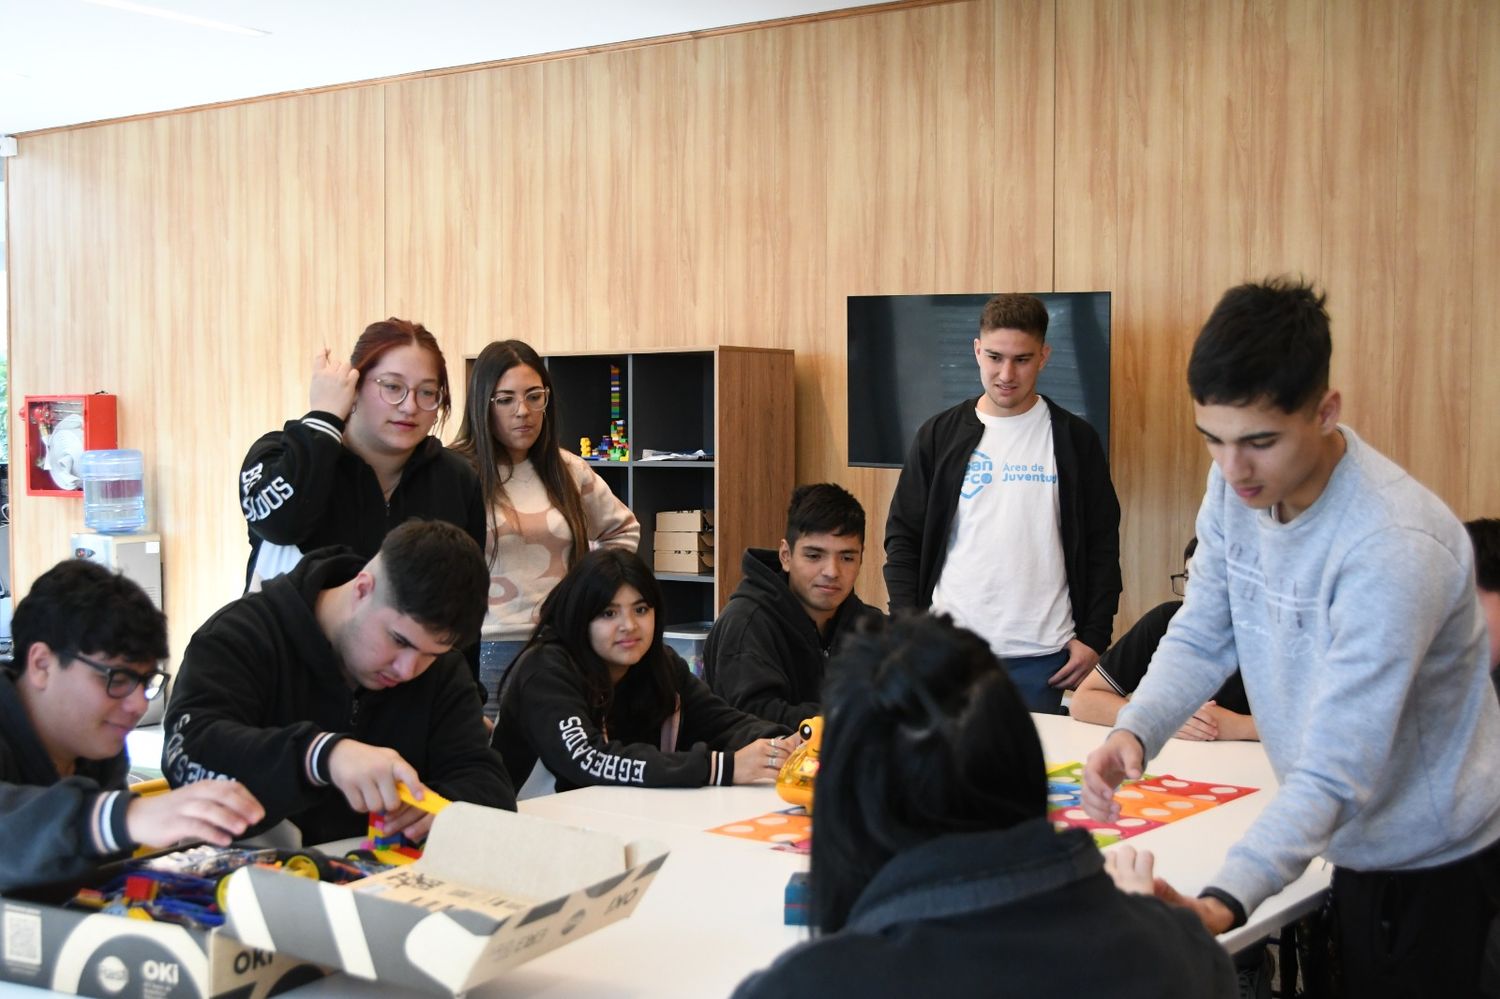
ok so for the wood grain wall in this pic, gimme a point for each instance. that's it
(734, 188)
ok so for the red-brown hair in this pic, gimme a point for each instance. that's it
(391, 333)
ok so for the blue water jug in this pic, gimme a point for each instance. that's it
(114, 491)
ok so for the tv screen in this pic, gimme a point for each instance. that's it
(912, 356)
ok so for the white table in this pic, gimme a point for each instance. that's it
(1190, 851)
(714, 913)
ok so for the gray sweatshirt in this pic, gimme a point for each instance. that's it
(1363, 652)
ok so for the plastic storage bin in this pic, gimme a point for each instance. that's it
(114, 491)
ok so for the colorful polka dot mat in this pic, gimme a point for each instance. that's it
(1145, 804)
(789, 830)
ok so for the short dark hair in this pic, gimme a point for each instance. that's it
(437, 577)
(1263, 341)
(1485, 533)
(924, 734)
(1189, 548)
(1015, 312)
(823, 508)
(582, 595)
(80, 606)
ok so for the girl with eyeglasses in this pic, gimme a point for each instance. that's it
(598, 698)
(363, 459)
(545, 506)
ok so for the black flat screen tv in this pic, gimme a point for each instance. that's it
(912, 356)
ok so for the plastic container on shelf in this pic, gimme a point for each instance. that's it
(114, 491)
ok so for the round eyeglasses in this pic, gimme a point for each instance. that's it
(120, 682)
(535, 400)
(429, 397)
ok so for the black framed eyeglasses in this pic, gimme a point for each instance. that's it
(429, 397)
(120, 682)
(1179, 582)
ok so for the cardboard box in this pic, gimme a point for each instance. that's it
(492, 890)
(92, 953)
(683, 541)
(698, 563)
(685, 520)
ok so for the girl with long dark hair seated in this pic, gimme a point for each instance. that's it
(599, 698)
(934, 868)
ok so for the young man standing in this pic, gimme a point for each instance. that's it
(1344, 590)
(87, 645)
(767, 652)
(339, 679)
(1005, 517)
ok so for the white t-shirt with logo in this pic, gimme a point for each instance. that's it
(1004, 576)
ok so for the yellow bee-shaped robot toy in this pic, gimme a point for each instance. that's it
(795, 781)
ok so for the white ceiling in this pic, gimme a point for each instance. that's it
(64, 62)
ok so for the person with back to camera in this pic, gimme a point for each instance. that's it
(935, 870)
(362, 460)
(87, 646)
(599, 698)
(545, 505)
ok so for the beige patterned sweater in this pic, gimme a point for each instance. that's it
(530, 553)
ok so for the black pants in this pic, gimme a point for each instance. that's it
(1416, 933)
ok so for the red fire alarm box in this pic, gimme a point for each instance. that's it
(59, 428)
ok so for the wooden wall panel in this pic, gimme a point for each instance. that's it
(1362, 258)
(736, 188)
(1434, 318)
(775, 199)
(191, 264)
(464, 210)
(1153, 460)
(1484, 346)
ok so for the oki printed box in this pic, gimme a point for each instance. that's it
(98, 954)
(492, 890)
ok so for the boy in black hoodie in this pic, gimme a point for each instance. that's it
(87, 646)
(767, 652)
(339, 679)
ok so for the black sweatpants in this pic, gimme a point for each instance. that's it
(1416, 933)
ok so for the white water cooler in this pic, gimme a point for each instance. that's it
(135, 556)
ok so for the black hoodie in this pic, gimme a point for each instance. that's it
(54, 828)
(261, 698)
(764, 654)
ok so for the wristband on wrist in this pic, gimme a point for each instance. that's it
(1236, 910)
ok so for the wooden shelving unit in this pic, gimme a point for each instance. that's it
(736, 404)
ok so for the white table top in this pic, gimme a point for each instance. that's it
(714, 913)
(1190, 851)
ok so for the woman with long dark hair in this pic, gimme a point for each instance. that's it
(363, 459)
(934, 869)
(545, 505)
(598, 697)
